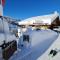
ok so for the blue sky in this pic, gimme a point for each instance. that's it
(22, 9)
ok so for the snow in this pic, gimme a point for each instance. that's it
(8, 38)
(40, 19)
(40, 42)
(55, 45)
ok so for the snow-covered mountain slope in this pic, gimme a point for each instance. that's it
(40, 19)
(54, 46)
(40, 42)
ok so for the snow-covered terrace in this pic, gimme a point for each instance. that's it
(40, 42)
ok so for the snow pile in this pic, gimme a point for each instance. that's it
(54, 46)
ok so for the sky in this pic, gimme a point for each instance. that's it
(22, 9)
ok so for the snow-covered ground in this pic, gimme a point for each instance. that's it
(54, 46)
(40, 42)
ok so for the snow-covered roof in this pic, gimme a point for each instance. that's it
(49, 18)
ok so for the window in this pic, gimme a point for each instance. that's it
(26, 38)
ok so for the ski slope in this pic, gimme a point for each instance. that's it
(54, 46)
(40, 42)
